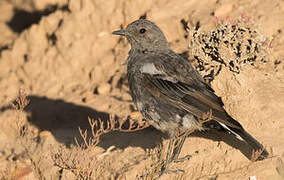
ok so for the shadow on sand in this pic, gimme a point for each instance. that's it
(63, 118)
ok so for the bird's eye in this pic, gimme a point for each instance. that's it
(142, 30)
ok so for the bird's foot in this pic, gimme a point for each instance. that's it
(168, 171)
(185, 158)
(165, 168)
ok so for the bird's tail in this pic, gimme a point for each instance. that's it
(256, 146)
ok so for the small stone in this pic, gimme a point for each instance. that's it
(104, 88)
(252, 178)
(44, 133)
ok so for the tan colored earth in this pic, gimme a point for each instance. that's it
(62, 53)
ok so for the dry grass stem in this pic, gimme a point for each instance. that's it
(99, 127)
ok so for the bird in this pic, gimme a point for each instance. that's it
(170, 94)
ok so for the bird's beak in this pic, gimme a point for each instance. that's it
(120, 32)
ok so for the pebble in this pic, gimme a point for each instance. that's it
(104, 88)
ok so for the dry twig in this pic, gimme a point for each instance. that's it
(99, 127)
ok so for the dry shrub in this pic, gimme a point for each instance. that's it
(233, 44)
(26, 139)
(82, 163)
(156, 157)
(99, 127)
(82, 160)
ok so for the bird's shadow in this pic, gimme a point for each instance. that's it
(63, 118)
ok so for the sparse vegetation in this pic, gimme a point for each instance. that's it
(233, 44)
(67, 60)
(81, 159)
(26, 139)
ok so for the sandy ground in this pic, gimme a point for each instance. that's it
(64, 56)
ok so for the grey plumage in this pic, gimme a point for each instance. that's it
(167, 90)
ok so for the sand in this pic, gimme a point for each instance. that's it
(63, 55)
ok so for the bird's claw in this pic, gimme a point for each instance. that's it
(185, 158)
(165, 170)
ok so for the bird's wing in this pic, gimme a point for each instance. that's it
(174, 80)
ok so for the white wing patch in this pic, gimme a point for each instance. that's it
(189, 121)
(139, 106)
(150, 68)
(226, 127)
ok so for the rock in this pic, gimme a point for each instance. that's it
(44, 133)
(104, 88)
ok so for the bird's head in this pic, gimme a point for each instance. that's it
(144, 35)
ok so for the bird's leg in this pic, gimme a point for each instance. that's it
(173, 152)
(165, 166)
(177, 150)
(178, 145)
(169, 152)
